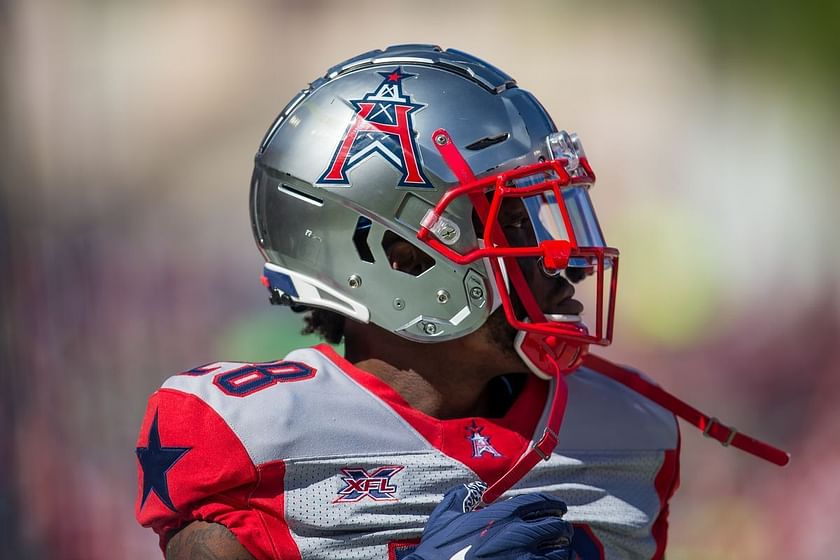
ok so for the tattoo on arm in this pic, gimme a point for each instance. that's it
(205, 541)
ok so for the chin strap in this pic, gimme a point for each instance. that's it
(540, 451)
(710, 426)
(548, 358)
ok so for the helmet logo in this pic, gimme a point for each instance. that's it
(382, 125)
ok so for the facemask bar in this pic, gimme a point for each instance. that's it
(556, 253)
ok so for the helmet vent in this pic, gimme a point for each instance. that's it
(300, 195)
(488, 141)
(326, 296)
(360, 239)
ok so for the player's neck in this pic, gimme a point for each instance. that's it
(444, 380)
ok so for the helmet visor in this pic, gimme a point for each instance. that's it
(573, 219)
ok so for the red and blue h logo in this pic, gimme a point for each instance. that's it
(382, 125)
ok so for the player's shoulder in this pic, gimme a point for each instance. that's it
(605, 414)
(214, 382)
(248, 396)
(294, 407)
(217, 429)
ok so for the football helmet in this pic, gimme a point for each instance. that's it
(427, 146)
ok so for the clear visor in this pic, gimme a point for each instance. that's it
(547, 217)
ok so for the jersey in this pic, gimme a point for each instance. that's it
(311, 458)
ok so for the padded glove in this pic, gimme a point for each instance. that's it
(526, 527)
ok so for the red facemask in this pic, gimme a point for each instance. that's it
(566, 236)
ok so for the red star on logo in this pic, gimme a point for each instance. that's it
(394, 76)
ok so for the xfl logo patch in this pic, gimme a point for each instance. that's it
(360, 484)
(382, 125)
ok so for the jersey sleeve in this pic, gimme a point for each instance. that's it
(667, 481)
(192, 466)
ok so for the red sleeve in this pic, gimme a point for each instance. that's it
(667, 481)
(192, 466)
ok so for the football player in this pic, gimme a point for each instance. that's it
(424, 209)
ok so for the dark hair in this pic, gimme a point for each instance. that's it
(329, 325)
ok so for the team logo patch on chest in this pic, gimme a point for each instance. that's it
(381, 126)
(480, 443)
(360, 484)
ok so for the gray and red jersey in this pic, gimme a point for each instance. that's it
(311, 458)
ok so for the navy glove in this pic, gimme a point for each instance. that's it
(527, 527)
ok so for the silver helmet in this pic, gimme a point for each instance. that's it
(418, 144)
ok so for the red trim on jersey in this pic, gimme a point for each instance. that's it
(509, 435)
(268, 501)
(399, 549)
(214, 481)
(666, 483)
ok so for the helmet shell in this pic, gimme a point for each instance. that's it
(353, 157)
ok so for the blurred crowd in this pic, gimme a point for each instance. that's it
(128, 131)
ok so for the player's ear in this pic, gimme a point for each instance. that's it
(404, 256)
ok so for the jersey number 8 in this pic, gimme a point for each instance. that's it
(241, 380)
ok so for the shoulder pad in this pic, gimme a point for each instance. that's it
(604, 414)
(297, 407)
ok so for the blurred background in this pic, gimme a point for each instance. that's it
(128, 131)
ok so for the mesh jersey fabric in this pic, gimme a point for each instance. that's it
(309, 457)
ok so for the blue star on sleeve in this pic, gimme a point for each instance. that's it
(156, 460)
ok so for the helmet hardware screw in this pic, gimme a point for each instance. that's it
(429, 328)
(476, 292)
(441, 139)
(447, 233)
(399, 304)
(442, 296)
(354, 281)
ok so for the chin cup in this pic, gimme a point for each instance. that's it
(549, 356)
